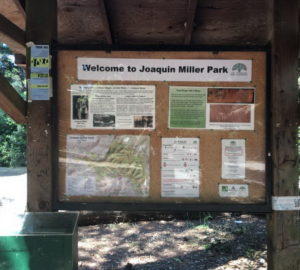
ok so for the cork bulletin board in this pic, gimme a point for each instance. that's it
(161, 127)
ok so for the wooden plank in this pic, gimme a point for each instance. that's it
(12, 35)
(86, 30)
(284, 227)
(41, 29)
(20, 10)
(13, 11)
(105, 22)
(11, 102)
(191, 13)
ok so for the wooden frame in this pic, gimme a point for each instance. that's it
(262, 201)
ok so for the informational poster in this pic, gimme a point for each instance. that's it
(233, 159)
(211, 108)
(107, 165)
(180, 172)
(230, 108)
(191, 70)
(233, 190)
(187, 107)
(39, 82)
(112, 106)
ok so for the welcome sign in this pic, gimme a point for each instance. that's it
(192, 70)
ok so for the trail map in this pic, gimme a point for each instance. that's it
(107, 165)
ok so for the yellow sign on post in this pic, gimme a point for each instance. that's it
(39, 73)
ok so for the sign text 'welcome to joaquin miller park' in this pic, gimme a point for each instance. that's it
(129, 69)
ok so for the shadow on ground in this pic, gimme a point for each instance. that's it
(174, 245)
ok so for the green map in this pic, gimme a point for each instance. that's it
(107, 165)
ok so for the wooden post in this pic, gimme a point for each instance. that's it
(284, 227)
(41, 24)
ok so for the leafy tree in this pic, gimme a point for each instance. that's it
(12, 135)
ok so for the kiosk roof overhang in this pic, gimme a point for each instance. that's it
(153, 22)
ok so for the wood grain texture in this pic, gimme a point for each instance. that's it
(11, 102)
(189, 25)
(210, 141)
(80, 22)
(13, 11)
(284, 227)
(41, 29)
(217, 22)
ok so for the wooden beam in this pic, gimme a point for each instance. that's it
(189, 25)
(20, 60)
(41, 25)
(105, 22)
(284, 226)
(12, 35)
(20, 8)
(11, 102)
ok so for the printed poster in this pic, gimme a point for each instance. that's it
(187, 107)
(233, 159)
(230, 108)
(107, 165)
(113, 106)
(215, 108)
(233, 190)
(180, 173)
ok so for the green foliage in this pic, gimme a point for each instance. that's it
(14, 74)
(12, 142)
(12, 135)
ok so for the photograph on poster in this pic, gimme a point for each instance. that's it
(230, 108)
(80, 107)
(230, 95)
(143, 121)
(225, 113)
(107, 165)
(104, 120)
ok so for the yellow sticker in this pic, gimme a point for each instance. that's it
(38, 75)
(40, 62)
(34, 86)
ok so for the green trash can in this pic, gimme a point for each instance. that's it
(39, 241)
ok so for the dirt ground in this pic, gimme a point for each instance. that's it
(220, 242)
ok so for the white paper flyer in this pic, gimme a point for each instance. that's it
(180, 173)
(233, 159)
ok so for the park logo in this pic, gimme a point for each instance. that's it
(239, 69)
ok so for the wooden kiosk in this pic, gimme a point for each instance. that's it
(262, 33)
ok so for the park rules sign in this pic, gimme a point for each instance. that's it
(192, 70)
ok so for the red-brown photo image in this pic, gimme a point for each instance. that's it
(225, 95)
(230, 113)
